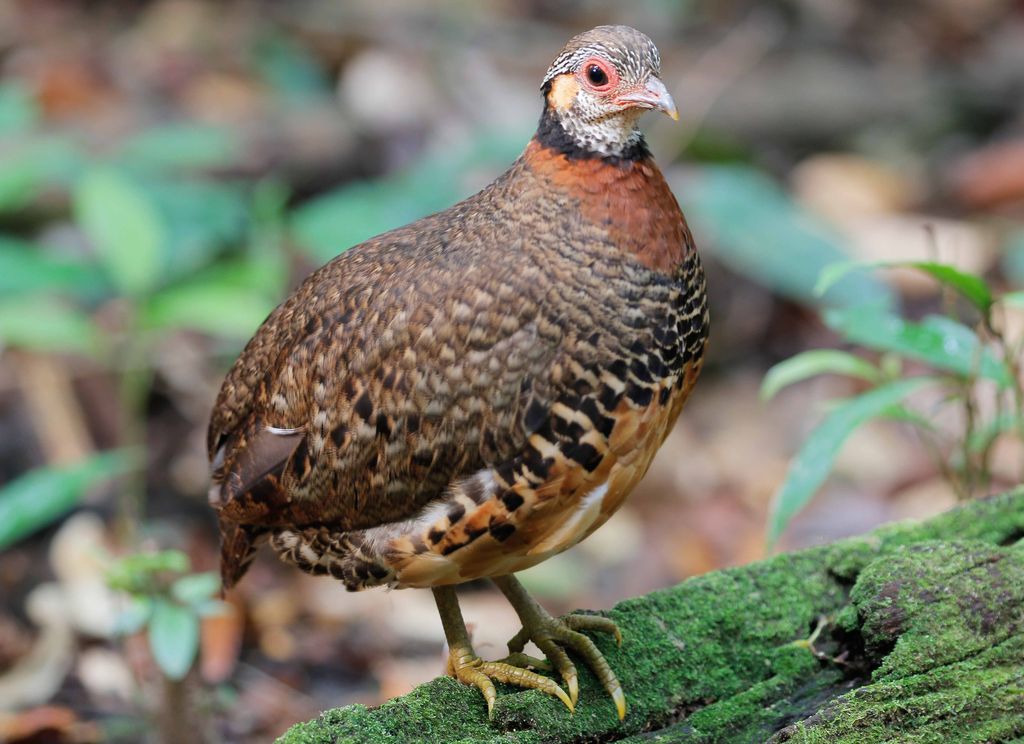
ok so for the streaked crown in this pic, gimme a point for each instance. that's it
(631, 51)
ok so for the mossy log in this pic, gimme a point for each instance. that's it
(912, 633)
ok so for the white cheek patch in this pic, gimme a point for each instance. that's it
(607, 134)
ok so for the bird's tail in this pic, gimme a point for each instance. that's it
(238, 545)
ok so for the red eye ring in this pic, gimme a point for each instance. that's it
(598, 74)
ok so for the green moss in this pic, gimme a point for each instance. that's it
(944, 622)
(979, 699)
(940, 602)
(718, 657)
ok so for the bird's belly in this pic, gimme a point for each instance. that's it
(486, 557)
(564, 511)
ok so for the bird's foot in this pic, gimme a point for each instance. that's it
(471, 670)
(554, 635)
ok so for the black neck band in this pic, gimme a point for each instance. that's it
(552, 135)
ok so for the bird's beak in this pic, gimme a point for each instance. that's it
(654, 95)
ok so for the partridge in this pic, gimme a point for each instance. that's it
(473, 393)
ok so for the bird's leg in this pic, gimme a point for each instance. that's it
(470, 669)
(553, 635)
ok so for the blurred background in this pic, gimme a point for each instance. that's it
(169, 169)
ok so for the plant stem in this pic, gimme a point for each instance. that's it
(133, 391)
(176, 714)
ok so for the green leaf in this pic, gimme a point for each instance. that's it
(906, 416)
(1013, 258)
(32, 164)
(40, 497)
(180, 146)
(47, 324)
(196, 588)
(939, 341)
(266, 239)
(133, 617)
(754, 227)
(27, 269)
(991, 430)
(211, 607)
(220, 310)
(125, 228)
(971, 286)
(813, 462)
(201, 218)
(816, 362)
(138, 573)
(19, 181)
(290, 70)
(173, 638)
(18, 111)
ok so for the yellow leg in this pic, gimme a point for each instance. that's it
(554, 635)
(470, 669)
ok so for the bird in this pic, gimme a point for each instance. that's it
(468, 395)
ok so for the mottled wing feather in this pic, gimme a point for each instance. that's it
(589, 449)
(396, 381)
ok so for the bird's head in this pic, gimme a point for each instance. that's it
(596, 90)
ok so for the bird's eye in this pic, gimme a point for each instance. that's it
(596, 75)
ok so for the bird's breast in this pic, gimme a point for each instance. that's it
(630, 201)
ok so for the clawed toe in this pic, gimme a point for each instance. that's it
(519, 659)
(553, 636)
(561, 632)
(471, 670)
(594, 623)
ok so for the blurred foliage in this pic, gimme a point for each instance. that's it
(179, 147)
(970, 286)
(25, 269)
(172, 250)
(757, 229)
(17, 110)
(46, 494)
(168, 602)
(329, 224)
(979, 370)
(1013, 258)
(157, 237)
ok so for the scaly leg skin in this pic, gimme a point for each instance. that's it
(470, 669)
(551, 634)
